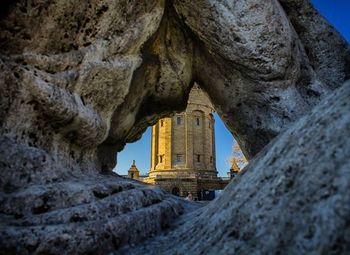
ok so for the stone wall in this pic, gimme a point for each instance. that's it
(190, 185)
(185, 185)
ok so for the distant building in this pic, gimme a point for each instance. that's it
(133, 172)
(234, 170)
(183, 150)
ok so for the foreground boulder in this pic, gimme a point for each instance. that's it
(90, 214)
(293, 198)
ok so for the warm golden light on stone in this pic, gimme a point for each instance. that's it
(183, 149)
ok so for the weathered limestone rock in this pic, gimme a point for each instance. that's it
(78, 80)
(324, 48)
(144, 57)
(88, 214)
(68, 74)
(292, 198)
(253, 64)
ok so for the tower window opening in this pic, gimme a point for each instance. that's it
(178, 120)
(178, 157)
(162, 123)
(161, 159)
(197, 121)
(211, 159)
(132, 175)
(198, 158)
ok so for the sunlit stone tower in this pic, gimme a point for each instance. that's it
(183, 149)
(133, 172)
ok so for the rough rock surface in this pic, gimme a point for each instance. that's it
(79, 79)
(85, 214)
(292, 198)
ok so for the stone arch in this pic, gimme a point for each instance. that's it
(198, 112)
(95, 74)
(198, 117)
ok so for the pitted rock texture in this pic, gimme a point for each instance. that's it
(80, 79)
(292, 198)
(92, 76)
(324, 50)
(90, 214)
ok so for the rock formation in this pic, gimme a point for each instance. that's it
(292, 198)
(79, 79)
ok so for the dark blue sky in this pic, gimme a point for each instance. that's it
(337, 12)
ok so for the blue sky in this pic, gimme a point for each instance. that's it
(337, 12)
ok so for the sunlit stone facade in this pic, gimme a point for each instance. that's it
(183, 149)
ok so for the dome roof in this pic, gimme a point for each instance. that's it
(199, 97)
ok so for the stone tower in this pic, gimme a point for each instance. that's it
(234, 170)
(133, 172)
(183, 148)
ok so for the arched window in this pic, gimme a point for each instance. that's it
(178, 120)
(178, 158)
(197, 117)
